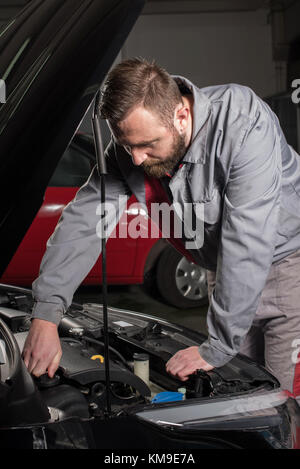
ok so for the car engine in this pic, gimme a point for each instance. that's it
(79, 386)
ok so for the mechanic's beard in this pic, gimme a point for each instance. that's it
(160, 168)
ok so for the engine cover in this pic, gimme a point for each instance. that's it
(77, 366)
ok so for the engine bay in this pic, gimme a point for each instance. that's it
(79, 385)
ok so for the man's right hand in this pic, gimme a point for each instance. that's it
(42, 350)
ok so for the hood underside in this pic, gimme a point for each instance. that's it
(53, 59)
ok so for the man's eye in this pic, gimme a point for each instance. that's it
(128, 148)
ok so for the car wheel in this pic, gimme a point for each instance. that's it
(180, 282)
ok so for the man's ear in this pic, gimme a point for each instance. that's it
(181, 116)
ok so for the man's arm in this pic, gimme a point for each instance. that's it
(72, 250)
(246, 249)
(248, 240)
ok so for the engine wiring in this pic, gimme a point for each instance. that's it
(112, 349)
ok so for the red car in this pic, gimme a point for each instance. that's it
(129, 260)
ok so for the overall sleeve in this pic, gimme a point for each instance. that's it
(247, 240)
(75, 245)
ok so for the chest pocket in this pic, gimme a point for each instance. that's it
(289, 213)
(209, 212)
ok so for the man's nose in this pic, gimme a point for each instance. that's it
(138, 156)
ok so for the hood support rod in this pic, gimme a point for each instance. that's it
(101, 166)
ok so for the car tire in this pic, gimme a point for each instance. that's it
(181, 283)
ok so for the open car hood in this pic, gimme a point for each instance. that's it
(53, 59)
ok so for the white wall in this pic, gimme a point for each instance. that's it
(209, 48)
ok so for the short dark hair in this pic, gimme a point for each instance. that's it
(136, 81)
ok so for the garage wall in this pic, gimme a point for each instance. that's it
(292, 21)
(209, 48)
(292, 25)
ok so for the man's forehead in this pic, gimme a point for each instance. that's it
(136, 135)
(137, 139)
(136, 143)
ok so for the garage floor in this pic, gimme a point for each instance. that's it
(136, 298)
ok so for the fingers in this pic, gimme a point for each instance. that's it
(39, 366)
(29, 359)
(42, 349)
(186, 362)
(177, 368)
(54, 365)
(26, 358)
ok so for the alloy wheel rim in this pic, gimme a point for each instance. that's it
(191, 280)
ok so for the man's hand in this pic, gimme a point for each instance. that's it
(186, 362)
(42, 350)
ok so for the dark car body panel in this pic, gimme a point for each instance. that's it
(53, 59)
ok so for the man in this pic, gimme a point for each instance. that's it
(222, 148)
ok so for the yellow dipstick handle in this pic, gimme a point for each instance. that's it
(98, 357)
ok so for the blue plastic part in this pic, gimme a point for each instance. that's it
(167, 396)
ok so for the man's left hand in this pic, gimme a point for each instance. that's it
(186, 362)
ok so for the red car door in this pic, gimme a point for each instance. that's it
(71, 173)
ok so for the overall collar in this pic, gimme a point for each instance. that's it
(201, 113)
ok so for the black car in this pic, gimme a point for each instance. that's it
(53, 58)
